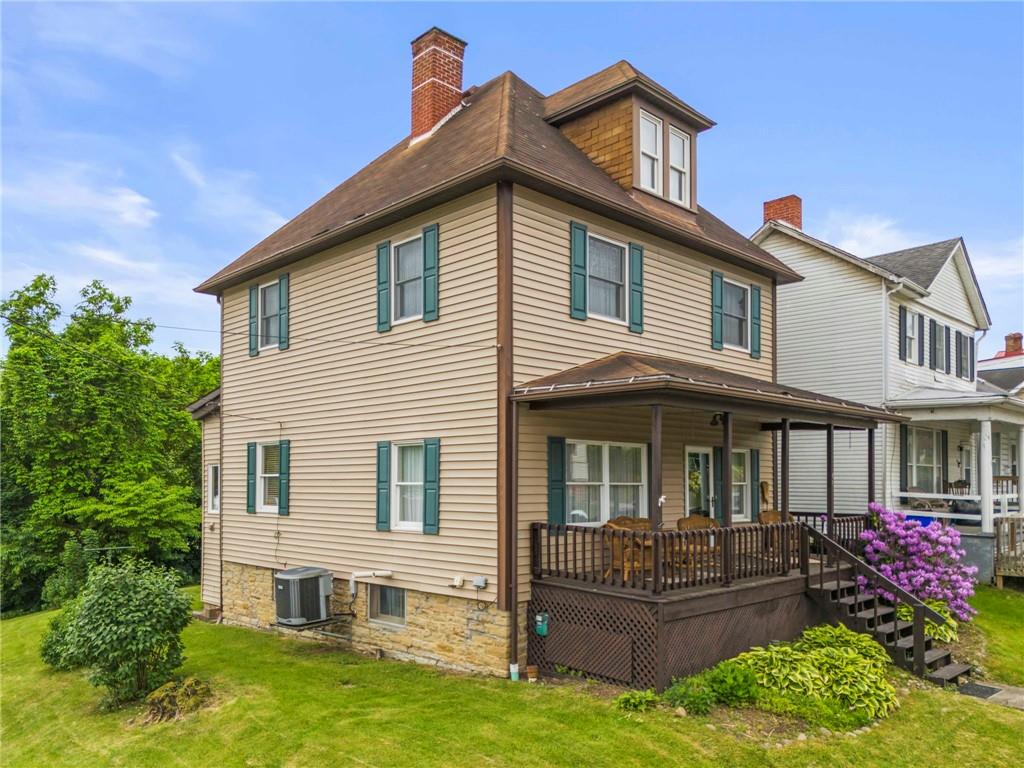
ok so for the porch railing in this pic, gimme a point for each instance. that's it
(663, 561)
(1009, 557)
(846, 529)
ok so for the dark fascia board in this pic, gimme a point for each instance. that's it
(648, 90)
(482, 176)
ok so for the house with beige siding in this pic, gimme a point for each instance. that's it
(897, 330)
(515, 389)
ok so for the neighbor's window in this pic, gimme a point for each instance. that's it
(270, 314)
(269, 476)
(911, 337)
(408, 279)
(650, 153)
(923, 462)
(965, 356)
(678, 166)
(606, 279)
(735, 314)
(741, 485)
(387, 604)
(213, 488)
(604, 481)
(407, 494)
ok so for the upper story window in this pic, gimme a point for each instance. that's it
(604, 481)
(650, 153)
(606, 279)
(270, 314)
(407, 497)
(736, 315)
(911, 337)
(269, 476)
(678, 166)
(407, 269)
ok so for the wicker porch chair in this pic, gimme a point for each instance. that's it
(625, 555)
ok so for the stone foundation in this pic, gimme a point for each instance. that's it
(248, 595)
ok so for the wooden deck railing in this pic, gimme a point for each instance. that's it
(1009, 560)
(846, 529)
(1004, 485)
(663, 561)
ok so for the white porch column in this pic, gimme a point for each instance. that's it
(1020, 468)
(985, 476)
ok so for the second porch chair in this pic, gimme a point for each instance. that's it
(626, 555)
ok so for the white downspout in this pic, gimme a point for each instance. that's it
(886, 293)
(365, 575)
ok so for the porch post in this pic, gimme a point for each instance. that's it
(785, 471)
(654, 507)
(871, 466)
(1020, 469)
(726, 499)
(830, 478)
(985, 476)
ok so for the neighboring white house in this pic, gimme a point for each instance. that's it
(897, 329)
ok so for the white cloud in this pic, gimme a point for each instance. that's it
(113, 258)
(1001, 262)
(868, 234)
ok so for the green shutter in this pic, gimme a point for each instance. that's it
(636, 288)
(431, 484)
(284, 483)
(920, 339)
(254, 320)
(755, 321)
(903, 332)
(716, 470)
(933, 351)
(282, 289)
(250, 478)
(904, 457)
(959, 354)
(578, 271)
(717, 299)
(556, 480)
(384, 286)
(755, 484)
(947, 368)
(383, 486)
(430, 265)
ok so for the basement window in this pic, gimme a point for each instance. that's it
(387, 604)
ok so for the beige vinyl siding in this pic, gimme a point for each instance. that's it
(677, 298)
(342, 387)
(681, 429)
(210, 563)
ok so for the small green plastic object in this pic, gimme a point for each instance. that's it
(540, 624)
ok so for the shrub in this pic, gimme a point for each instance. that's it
(922, 559)
(947, 632)
(733, 684)
(694, 694)
(77, 558)
(824, 713)
(57, 646)
(637, 701)
(126, 628)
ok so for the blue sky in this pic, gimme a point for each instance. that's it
(149, 144)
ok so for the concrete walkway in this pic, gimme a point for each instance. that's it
(1007, 695)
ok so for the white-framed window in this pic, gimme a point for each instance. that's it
(387, 604)
(700, 495)
(268, 476)
(740, 467)
(911, 338)
(650, 153)
(605, 481)
(678, 166)
(407, 279)
(213, 488)
(606, 278)
(735, 315)
(923, 460)
(270, 314)
(408, 469)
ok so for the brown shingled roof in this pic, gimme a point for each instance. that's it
(499, 133)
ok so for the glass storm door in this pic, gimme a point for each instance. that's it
(698, 481)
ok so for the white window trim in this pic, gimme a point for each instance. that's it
(259, 315)
(395, 320)
(373, 600)
(211, 505)
(912, 464)
(911, 337)
(746, 288)
(687, 450)
(606, 481)
(624, 320)
(659, 158)
(396, 523)
(747, 516)
(260, 477)
(684, 168)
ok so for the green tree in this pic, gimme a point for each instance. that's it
(95, 437)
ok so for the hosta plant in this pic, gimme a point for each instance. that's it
(947, 632)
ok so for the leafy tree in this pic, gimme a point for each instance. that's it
(95, 437)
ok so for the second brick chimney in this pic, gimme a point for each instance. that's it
(436, 78)
(1013, 343)
(788, 209)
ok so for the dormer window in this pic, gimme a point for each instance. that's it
(678, 166)
(650, 153)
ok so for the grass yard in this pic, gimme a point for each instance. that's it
(282, 702)
(1001, 621)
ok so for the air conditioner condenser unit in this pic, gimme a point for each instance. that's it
(303, 595)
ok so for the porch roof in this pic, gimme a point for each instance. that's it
(630, 378)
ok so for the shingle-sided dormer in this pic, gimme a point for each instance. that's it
(640, 134)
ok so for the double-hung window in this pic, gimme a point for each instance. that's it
(736, 315)
(964, 349)
(650, 153)
(269, 476)
(678, 166)
(407, 268)
(270, 314)
(923, 461)
(606, 279)
(407, 495)
(741, 485)
(605, 481)
(213, 488)
(911, 337)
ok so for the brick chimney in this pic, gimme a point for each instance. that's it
(788, 209)
(436, 78)
(1013, 343)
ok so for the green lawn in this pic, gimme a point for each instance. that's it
(282, 702)
(1001, 621)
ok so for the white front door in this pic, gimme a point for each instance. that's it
(699, 491)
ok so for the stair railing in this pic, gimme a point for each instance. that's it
(832, 551)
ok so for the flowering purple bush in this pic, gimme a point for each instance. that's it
(922, 559)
